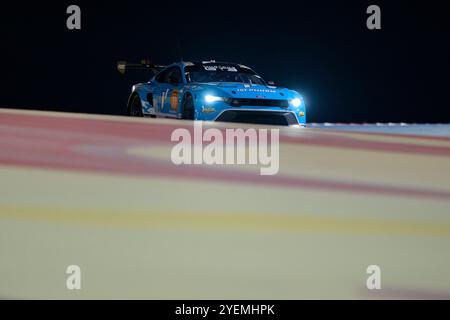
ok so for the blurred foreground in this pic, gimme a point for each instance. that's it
(101, 192)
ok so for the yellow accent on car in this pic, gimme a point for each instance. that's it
(208, 110)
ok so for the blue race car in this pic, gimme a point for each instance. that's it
(213, 91)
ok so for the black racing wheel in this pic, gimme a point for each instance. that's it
(135, 108)
(188, 108)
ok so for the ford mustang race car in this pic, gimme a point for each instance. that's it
(213, 91)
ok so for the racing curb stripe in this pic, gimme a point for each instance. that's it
(202, 174)
(155, 131)
(235, 221)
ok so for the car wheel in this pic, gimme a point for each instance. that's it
(188, 108)
(135, 109)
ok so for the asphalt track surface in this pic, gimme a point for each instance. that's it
(101, 192)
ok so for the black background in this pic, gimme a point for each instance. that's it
(163, 309)
(323, 49)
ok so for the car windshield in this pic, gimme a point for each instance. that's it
(227, 73)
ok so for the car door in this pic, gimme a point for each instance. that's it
(161, 91)
(172, 97)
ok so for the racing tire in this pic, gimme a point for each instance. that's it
(135, 108)
(188, 108)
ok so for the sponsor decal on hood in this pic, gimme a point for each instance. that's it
(256, 90)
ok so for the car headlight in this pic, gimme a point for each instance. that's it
(209, 98)
(296, 102)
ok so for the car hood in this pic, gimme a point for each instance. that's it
(241, 90)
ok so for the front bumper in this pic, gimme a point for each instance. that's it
(266, 117)
(220, 111)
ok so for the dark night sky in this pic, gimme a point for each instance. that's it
(321, 48)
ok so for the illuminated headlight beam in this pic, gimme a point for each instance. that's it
(296, 102)
(209, 98)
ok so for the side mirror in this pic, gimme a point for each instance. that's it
(271, 83)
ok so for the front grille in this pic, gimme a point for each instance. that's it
(278, 118)
(238, 102)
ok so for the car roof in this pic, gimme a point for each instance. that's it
(227, 63)
(183, 64)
